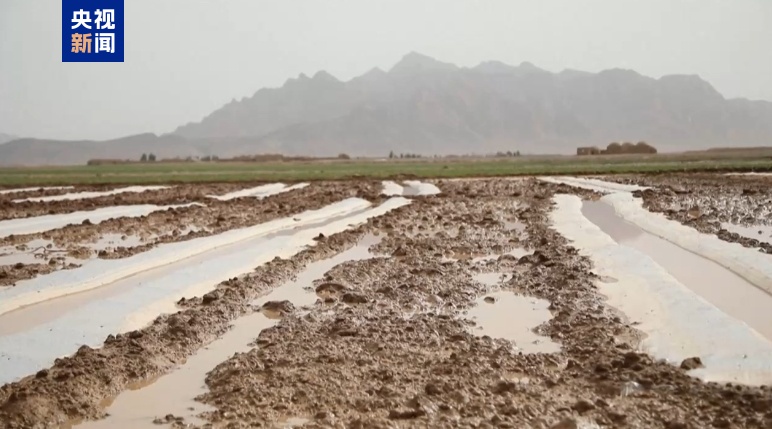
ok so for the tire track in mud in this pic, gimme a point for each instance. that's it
(400, 352)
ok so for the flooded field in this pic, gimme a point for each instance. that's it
(561, 302)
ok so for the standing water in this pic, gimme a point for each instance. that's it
(504, 314)
(175, 392)
(724, 289)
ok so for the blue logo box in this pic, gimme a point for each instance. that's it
(92, 31)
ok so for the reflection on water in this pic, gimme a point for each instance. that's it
(762, 233)
(175, 393)
(513, 317)
(721, 287)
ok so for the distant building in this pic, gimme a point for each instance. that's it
(590, 150)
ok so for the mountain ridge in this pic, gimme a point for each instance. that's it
(422, 105)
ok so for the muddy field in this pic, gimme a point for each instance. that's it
(640, 302)
(191, 213)
(736, 207)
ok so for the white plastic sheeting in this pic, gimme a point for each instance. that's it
(25, 353)
(410, 188)
(100, 272)
(391, 188)
(261, 191)
(749, 174)
(32, 225)
(86, 195)
(749, 264)
(593, 184)
(678, 322)
(174, 392)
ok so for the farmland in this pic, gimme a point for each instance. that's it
(218, 172)
(554, 301)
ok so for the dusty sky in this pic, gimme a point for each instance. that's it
(185, 58)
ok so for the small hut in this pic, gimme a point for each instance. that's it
(588, 150)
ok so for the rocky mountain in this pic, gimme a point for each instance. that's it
(426, 106)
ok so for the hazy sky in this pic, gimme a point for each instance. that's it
(185, 58)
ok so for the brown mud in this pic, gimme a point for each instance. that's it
(395, 345)
(45, 191)
(174, 194)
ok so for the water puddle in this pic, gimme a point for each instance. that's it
(503, 314)
(111, 241)
(301, 291)
(516, 253)
(39, 251)
(517, 377)
(174, 393)
(724, 289)
(513, 317)
(291, 422)
(491, 279)
(514, 225)
(34, 252)
(763, 233)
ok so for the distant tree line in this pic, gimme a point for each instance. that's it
(507, 154)
(627, 147)
(147, 157)
(500, 154)
(392, 155)
(618, 149)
